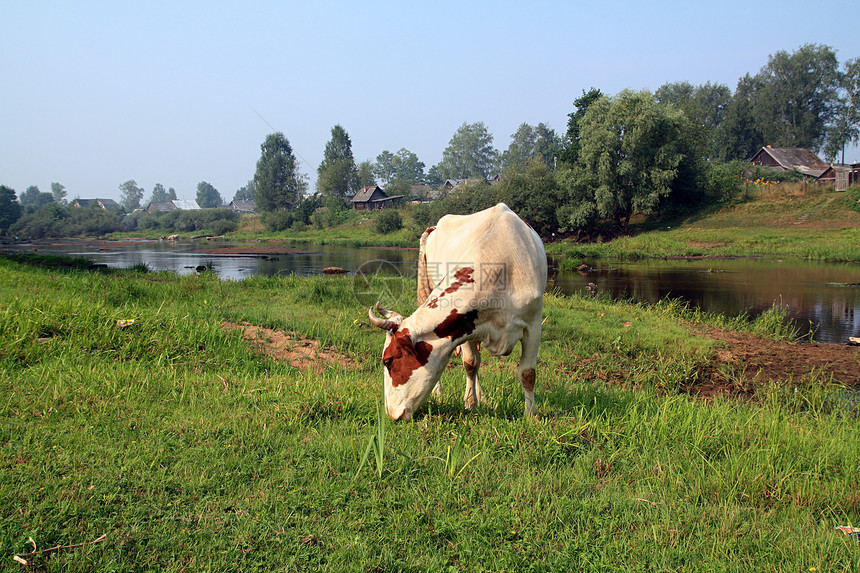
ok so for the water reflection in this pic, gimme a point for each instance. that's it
(815, 293)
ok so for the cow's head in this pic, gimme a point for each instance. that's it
(412, 367)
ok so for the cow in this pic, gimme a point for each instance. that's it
(481, 280)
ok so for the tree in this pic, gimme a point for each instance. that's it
(58, 190)
(796, 97)
(10, 209)
(705, 109)
(470, 153)
(131, 195)
(846, 123)
(571, 141)
(208, 196)
(246, 193)
(276, 179)
(407, 167)
(738, 137)
(337, 175)
(547, 144)
(521, 148)
(159, 195)
(434, 176)
(530, 189)
(365, 174)
(530, 142)
(630, 149)
(384, 166)
(33, 199)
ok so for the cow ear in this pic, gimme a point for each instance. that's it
(390, 321)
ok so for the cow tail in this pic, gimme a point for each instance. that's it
(424, 286)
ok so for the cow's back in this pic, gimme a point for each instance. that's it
(506, 254)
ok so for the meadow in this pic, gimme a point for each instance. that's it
(137, 433)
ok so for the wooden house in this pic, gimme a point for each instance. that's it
(788, 158)
(373, 197)
(243, 206)
(840, 177)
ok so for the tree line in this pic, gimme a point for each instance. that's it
(633, 152)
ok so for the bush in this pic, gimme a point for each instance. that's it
(725, 182)
(222, 226)
(279, 220)
(387, 221)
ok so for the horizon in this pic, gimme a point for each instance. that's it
(178, 94)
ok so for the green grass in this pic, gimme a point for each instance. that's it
(190, 452)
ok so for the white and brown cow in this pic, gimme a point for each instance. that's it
(481, 279)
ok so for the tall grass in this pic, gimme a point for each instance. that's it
(190, 451)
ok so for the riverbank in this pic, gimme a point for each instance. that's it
(215, 452)
(814, 225)
(794, 221)
(798, 222)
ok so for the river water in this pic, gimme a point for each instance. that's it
(819, 296)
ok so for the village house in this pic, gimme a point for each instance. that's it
(789, 158)
(373, 197)
(167, 206)
(838, 176)
(244, 207)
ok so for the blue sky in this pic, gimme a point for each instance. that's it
(96, 93)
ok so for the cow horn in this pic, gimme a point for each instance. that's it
(390, 321)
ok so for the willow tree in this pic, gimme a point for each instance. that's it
(630, 150)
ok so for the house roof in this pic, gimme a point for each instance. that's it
(187, 205)
(386, 198)
(798, 158)
(365, 194)
(103, 203)
(162, 207)
(243, 205)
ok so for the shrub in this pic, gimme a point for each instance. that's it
(222, 226)
(279, 220)
(387, 221)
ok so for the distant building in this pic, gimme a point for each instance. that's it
(840, 177)
(167, 206)
(243, 206)
(106, 204)
(789, 158)
(186, 205)
(373, 197)
(426, 192)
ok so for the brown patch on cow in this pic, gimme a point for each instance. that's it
(461, 277)
(457, 325)
(527, 380)
(470, 367)
(300, 352)
(429, 230)
(402, 358)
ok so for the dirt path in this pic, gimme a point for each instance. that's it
(300, 352)
(757, 358)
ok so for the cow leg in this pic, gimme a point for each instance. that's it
(472, 362)
(437, 390)
(526, 369)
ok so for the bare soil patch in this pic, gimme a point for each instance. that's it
(755, 359)
(302, 353)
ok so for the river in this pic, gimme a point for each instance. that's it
(823, 297)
